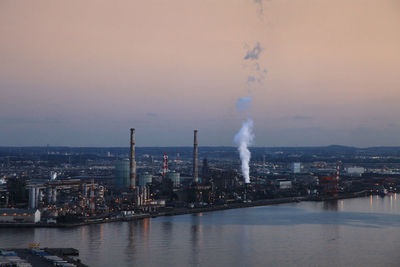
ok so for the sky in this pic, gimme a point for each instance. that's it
(81, 73)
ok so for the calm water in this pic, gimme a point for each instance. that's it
(352, 232)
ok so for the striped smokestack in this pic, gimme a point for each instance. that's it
(132, 169)
(195, 159)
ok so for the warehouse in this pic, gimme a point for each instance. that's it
(19, 216)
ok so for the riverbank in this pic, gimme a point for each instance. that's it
(341, 196)
(182, 211)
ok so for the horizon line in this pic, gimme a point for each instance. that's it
(309, 146)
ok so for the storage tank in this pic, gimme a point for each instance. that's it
(175, 178)
(122, 173)
(32, 198)
(145, 178)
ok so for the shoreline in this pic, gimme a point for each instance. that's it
(183, 211)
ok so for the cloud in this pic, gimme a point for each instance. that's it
(301, 117)
(393, 125)
(254, 53)
(29, 120)
(151, 114)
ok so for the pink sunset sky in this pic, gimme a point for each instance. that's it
(81, 73)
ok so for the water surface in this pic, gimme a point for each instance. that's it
(351, 232)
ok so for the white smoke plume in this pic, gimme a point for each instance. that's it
(245, 136)
(243, 139)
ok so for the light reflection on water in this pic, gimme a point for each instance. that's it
(351, 232)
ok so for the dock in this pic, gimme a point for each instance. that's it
(40, 257)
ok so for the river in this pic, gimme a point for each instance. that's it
(349, 232)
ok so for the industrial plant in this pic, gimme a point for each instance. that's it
(74, 186)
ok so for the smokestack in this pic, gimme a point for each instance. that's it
(195, 159)
(132, 159)
(165, 164)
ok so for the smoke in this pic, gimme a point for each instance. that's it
(251, 79)
(243, 139)
(243, 103)
(245, 136)
(260, 6)
(257, 73)
(254, 53)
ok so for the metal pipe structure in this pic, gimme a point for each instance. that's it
(195, 159)
(132, 175)
(54, 196)
(49, 195)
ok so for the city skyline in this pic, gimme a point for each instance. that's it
(82, 74)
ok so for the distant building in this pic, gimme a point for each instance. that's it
(355, 171)
(121, 173)
(205, 171)
(296, 167)
(19, 216)
(283, 184)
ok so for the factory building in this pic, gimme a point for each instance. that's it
(122, 173)
(283, 184)
(35, 197)
(355, 171)
(19, 216)
(328, 185)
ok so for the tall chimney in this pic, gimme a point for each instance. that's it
(132, 174)
(195, 158)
